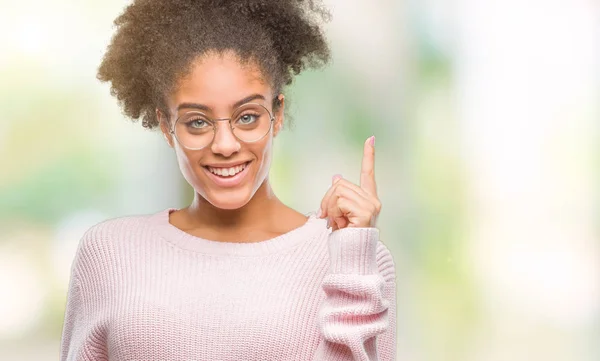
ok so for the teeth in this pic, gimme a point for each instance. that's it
(227, 172)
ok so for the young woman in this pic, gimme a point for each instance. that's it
(236, 275)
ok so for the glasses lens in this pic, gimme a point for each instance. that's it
(251, 122)
(194, 130)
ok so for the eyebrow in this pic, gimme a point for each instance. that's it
(207, 108)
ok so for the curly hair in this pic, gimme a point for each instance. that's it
(156, 42)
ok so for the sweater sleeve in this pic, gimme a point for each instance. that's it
(82, 334)
(357, 317)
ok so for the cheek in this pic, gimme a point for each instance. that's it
(188, 164)
(265, 161)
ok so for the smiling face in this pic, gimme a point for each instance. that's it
(216, 86)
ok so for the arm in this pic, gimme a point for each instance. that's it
(81, 337)
(357, 318)
(73, 320)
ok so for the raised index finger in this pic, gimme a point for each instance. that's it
(367, 172)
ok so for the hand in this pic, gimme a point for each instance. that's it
(347, 205)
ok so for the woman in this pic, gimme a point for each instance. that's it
(236, 275)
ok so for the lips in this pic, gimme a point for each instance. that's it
(228, 181)
(227, 171)
(223, 165)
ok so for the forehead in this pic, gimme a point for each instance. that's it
(218, 81)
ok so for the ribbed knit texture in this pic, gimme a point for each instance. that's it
(143, 290)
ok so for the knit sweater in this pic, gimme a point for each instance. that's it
(141, 289)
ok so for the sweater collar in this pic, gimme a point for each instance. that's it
(181, 239)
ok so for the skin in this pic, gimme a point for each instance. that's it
(250, 212)
(349, 205)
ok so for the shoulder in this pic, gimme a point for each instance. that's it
(385, 262)
(98, 241)
(113, 227)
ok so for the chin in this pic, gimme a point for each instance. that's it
(228, 201)
(225, 198)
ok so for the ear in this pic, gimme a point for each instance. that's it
(279, 118)
(164, 127)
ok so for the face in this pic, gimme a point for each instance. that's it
(217, 83)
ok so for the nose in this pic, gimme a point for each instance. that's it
(224, 142)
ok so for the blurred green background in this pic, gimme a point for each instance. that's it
(487, 123)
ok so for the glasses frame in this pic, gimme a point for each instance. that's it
(215, 120)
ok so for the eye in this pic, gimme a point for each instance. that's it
(247, 118)
(197, 123)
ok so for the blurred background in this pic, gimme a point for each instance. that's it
(487, 121)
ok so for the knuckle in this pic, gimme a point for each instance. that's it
(373, 210)
(341, 184)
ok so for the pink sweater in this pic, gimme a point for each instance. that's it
(143, 290)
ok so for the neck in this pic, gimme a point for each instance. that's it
(258, 212)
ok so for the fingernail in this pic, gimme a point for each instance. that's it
(372, 141)
(319, 212)
(336, 176)
(328, 223)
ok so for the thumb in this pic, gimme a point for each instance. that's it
(323, 210)
(335, 178)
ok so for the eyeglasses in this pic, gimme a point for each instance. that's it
(249, 123)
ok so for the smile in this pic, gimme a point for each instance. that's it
(227, 172)
(227, 177)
